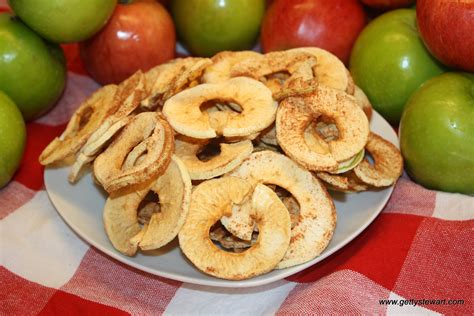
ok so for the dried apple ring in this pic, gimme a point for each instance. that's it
(388, 163)
(150, 127)
(317, 214)
(293, 88)
(189, 73)
(85, 120)
(120, 212)
(128, 96)
(167, 79)
(329, 70)
(222, 63)
(275, 69)
(158, 81)
(214, 198)
(230, 156)
(317, 135)
(183, 111)
(297, 113)
(95, 145)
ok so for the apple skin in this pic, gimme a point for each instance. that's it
(437, 134)
(206, 27)
(447, 29)
(139, 35)
(389, 62)
(32, 71)
(388, 4)
(12, 138)
(332, 25)
(64, 21)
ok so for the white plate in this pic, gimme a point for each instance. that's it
(81, 205)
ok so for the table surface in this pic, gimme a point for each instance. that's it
(419, 250)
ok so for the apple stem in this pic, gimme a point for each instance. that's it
(125, 1)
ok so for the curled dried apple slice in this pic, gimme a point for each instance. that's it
(388, 163)
(85, 120)
(120, 212)
(214, 198)
(148, 130)
(190, 72)
(167, 79)
(128, 96)
(95, 145)
(158, 81)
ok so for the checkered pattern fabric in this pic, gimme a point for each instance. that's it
(420, 247)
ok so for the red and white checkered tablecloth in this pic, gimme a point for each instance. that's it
(419, 248)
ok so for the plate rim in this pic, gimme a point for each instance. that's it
(223, 283)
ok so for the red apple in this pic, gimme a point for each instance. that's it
(139, 35)
(447, 27)
(332, 25)
(388, 4)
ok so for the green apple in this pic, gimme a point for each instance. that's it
(206, 27)
(12, 138)
(64, 21)
(437, 133)
(389, 61)
(32, 71)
